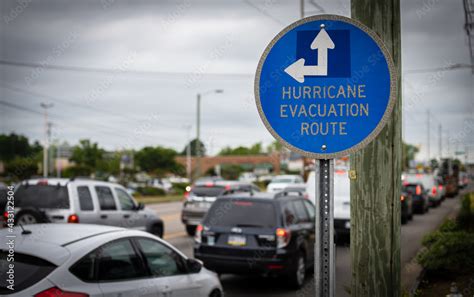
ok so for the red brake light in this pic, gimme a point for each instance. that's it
(209, 184)
(56, 292)
(418, 190)
(198, 234)
(283, 237)
(433, 190)
(5, 215)
(227, 187)
(186, 195)
(73, 219)
(440, 187)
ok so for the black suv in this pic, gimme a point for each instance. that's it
(261, 233)
(201, 196)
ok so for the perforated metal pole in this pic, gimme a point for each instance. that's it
(324, 271)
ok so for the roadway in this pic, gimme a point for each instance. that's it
(234, 286)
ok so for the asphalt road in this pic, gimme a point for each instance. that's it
(411, 236)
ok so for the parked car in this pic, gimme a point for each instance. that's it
(91, 261)
(260, 233)
(3, 199)
(419, 195)
(280, 182)
(342, 203)
(201, 196)
(463, 179)
(430, 184)
(406, 200)
(248, 177)
(87, 201)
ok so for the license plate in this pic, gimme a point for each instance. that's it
(236, 240)
(211, 240)
(203, 205)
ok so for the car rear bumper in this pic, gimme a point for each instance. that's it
(277, 265)
(193, 217)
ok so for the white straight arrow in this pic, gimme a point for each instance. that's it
(322, 43)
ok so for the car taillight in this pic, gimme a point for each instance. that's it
(418, 190)
(283, 237)
(440, 187)
(433, 190)
(198, 235)
(402, 198)
(56, 292)
(5, 215)
(73, 219)
(186, 195)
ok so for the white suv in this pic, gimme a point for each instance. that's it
(87, 201)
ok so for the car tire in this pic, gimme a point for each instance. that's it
(191, 230)
(298, 273)
(216, 293)
(157, 230)
(30, 216)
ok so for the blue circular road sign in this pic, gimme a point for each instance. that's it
(325, 86)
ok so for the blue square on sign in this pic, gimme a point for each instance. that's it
(339, 58)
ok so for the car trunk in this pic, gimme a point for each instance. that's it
(240, 228)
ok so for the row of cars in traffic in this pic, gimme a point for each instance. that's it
(237, 228)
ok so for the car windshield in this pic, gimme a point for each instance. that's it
(42, 196)
(204, 191)
(241, 213)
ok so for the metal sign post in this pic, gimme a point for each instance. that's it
(324, 221)
(325, 87)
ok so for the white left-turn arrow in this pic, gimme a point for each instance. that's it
(322, 42)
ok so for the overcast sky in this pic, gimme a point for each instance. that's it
(165, 52)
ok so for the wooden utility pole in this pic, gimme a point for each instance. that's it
(376, 177)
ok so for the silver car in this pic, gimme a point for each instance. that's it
(91, 260)
(87, 201)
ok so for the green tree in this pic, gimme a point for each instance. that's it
(157, 160)
(13, 145)
(409, 152)
(193, 144)
(275, 147)
(22, 167)
(87, 155)
(255, 149)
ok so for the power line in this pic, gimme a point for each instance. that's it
(114, 71)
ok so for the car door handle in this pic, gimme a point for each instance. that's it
(126, 216)
(103, 216)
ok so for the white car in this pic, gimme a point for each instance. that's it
(280, 182)
(342, 199)
(98, 261)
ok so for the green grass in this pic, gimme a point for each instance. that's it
(158, 199)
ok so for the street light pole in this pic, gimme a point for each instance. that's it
(198, 129)
(45, 106)
(198, 135)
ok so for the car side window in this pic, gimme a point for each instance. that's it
(310, 208)
(161, 260)
(300, 211)
(85, 198)
(118, 261)
(126, 202)
(289, 214)
(106, 199)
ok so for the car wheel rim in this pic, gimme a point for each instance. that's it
(27, 219)
(300, 273)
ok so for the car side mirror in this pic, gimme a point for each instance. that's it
(140, 206)
(193, 265)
